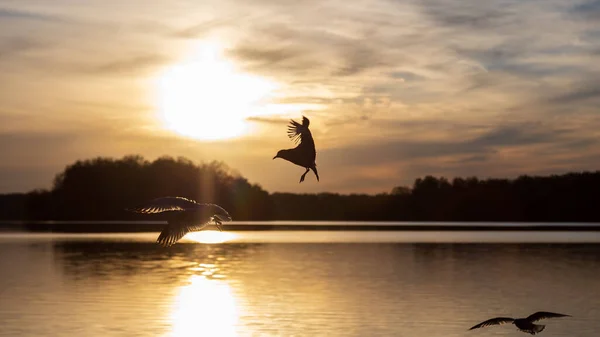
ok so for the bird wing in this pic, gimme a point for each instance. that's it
(543, 315)
(173, 232)
(493, 321)
(298, 132)
(165, 204)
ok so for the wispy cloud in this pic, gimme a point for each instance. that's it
(583, 93)
(486, 144)
(125, 66)
(269, 120)
(13, 14)
(13, 46)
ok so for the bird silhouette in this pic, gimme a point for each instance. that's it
(304, 154)
(523, 324)
(185, 216)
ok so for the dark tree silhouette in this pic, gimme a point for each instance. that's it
(12, 206)
(101, 188)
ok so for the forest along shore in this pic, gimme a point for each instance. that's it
(102, 188)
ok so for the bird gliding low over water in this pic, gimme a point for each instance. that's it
(523, 324)
(184, 216)
(305, 153)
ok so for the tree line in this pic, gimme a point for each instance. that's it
(101, 188)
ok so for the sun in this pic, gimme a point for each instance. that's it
(206, 97)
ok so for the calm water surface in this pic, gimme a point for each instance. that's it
(297, 284)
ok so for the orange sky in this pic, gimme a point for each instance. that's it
(394, 89)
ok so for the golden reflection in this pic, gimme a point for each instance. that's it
(206, 97)
(210, 236)
(205, 307)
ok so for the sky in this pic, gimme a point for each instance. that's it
(394, 90)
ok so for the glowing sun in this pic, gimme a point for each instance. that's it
(205, 97)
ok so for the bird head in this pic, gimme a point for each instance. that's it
(279, 154)
(220, 215)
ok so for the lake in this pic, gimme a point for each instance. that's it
(298, 283)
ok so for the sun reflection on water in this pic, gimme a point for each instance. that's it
(205, 307)
(210, 236)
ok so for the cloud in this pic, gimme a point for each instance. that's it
(307, 53)
(131, 65)
(357, 59)
(578, 95)
(587, 10)
(201, 29)
(471, 15)
(472, 159)
(174, 30)
(389, 152)
(268, 120)
(12, 14)
(15, 45)
(265, 55)
(511, 135)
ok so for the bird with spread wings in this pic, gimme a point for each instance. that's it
(523, 324)
(304, 154)
(184, 216)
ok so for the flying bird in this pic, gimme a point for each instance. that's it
(523, 324)
(304, 154)
(185, 216)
